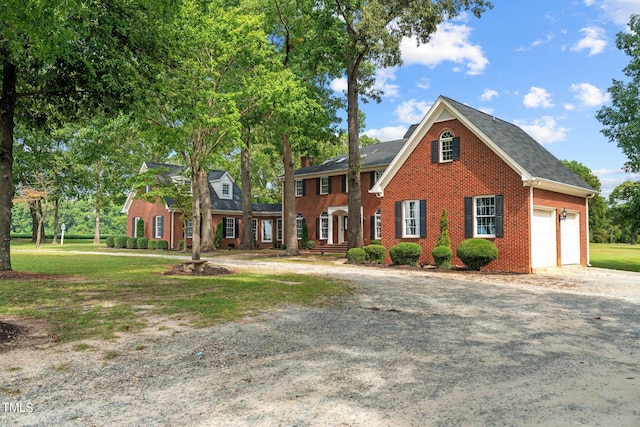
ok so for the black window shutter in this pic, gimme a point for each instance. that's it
(329, 184)
(237, 228)
(372, 176)
(499, 216)
(317, 185)
(372, 227)
(398, 219)
(435, 158)
(133, 227)
(456, 148)
(468, 217)
(153, 227)
(224, 226)
(304, 187)
(344, 183)
(318, 228)
(423, 218)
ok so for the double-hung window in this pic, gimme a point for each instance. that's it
(324, 185)
(189, 231)
(279, 229)
(159, 227)
(230, 228)
(446, 147)
(485, 209)
(299, 223)
(410, 218)
(299, 187)
(324, 226)
(267, 230)
(254, 228)
(378, 225)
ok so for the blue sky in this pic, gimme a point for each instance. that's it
(544, 65)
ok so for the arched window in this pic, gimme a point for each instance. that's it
(378, 226)
(324, 226)
(446, 147)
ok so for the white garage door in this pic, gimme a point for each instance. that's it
(570, 239)
(543, 239)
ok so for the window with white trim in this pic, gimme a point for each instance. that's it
(230, 228)
(279, 230)
(410, 217)
(254, 228)
(485, 216)
(378, 225)
(324, 185)
(159, 228)
(267, 230)
(299, 223)
(189, 230)
(324, 226)
(446, 147)
(299, 187)
(226, 190)
(136, 224)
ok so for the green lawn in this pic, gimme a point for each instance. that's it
(99, 295)
(616, 256)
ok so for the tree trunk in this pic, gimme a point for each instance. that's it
(354, 203)
(96, 233)
(208, 242)
(7, 111)
(33, 210)
(289, 198)
(195, 208)
(247, 211)
(56, 212)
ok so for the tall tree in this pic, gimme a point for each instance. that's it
(621, 120)
(371, 32)
(67, 57)
(625, 207)
(597, 205)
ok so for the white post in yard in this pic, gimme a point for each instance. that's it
(63, 227)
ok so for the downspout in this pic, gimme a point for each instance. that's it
(530, 227)
(587, 236)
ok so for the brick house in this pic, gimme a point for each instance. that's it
(163, 220)
(495, 181)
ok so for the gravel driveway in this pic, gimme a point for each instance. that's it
(408, 348)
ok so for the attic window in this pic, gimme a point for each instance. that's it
(446, 147)
(225, 190)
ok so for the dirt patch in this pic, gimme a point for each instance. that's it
(23, 275)
(23, 332)
(207, 270)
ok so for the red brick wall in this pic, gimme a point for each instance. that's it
(549, 199)
(445, 185)
(312, 204)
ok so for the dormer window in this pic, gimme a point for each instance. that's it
(226, 191)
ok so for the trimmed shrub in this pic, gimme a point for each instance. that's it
(143, 243)
(405, 253)
(443, 237)
(110, 241)
(305, 235)
(120, 242)
(162, 244)
(356, 255)
(180, 245)
(153, 244)
(375, 253)
(140, 228)
(311, 244)
(476, 253)
(376, 242)
(442, 256)
(131, 243)
(283, 246)
(218, 239)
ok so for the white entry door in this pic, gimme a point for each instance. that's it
(570, 239)
(543, 239)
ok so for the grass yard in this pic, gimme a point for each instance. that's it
(99, 295)
(616, 256)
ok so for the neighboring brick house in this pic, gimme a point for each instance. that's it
(494, 180)
(321, 196)
(163, 220)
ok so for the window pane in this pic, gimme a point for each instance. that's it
(485, 216)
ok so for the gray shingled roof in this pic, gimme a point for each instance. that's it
(380, 154)
(521, 147)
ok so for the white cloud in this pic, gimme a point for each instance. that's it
(383, 78)
(424, 83)
(569, 107)
(537, 98)
(548, 38)
(388, 133)
(450, 43)
(589, 95)
(594, 41)
(617, 11)
(545, 130)
(412, 111)
(488, 95)
(339, 84)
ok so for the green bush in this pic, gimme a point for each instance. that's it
(476, 253)
(162, 244)
(305, 235)
(283, 246)
(110, 241)
(375, 254)
(120, 242)
(180, 245)
(143, 243)
(376, 242)
(311, 244)
(140, 228)
(218, 239)
(131, 243)
(356, 255)
(153, 244)
(405, 253)
(442, 256)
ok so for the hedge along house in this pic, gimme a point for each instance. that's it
(495, 181)
(163, 220)
(321, 196)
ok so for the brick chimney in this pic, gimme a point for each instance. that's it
(304, 162)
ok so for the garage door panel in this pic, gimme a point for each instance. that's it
(570, 239)
(543, 239)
